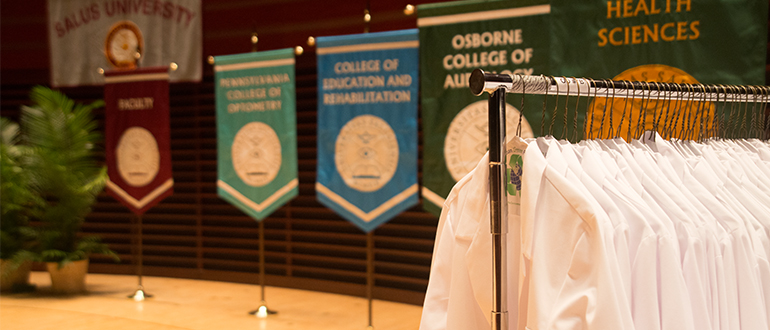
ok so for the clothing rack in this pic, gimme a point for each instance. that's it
(497, 85)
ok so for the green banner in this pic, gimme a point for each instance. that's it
(677, 41)
(456, 38)
(256, 130)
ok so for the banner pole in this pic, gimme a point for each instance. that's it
(139, 295)
(262, 311)
(254, 40)
(370, 273)
(367, 17)
(369, 235)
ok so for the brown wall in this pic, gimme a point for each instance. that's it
(193, 233)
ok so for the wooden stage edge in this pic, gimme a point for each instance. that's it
(345, 288)
(193, 304)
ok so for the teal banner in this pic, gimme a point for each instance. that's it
(367, 125)
(456, 38)
(256, 130)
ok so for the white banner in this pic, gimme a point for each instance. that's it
(86, 35)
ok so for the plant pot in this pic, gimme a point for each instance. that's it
(18, 278)
(69, 279)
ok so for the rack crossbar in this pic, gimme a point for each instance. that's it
(481, 82)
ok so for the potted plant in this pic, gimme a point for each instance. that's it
(18, 202)
(62, 136)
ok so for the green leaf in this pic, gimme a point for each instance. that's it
(61, 136)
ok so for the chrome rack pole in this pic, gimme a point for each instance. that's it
(497, 86)
(498, 209)
(481, 81)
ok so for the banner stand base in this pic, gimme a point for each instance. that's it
(140, 295)
(262, 312)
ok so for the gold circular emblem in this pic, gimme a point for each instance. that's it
(124, 45)
(467, 139)
(137, 156)
(366, 153)
(629, 118)
(256, 154)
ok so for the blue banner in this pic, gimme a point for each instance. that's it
(367, 125)
(256, 130)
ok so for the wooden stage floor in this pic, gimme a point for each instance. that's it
(193, 304)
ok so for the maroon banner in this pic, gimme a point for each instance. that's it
(137, 137)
